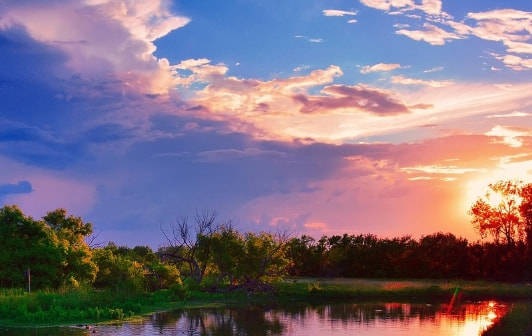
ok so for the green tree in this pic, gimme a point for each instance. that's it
(227, 246)
(27, 243)
(71, 233)
(264, 257)
(117, 271)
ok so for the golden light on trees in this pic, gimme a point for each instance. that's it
(497, 213)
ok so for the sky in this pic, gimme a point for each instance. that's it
(308, 116)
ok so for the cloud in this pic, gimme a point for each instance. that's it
(430, 34)
(414, 81)
(440, 169)
(401, 25)
(514, 114)
(300, 68)
(387, 4)
(380, 67)
(510, 26)
(352, 21)
(103, 37)
(46, 191)
(514, 62)
(381, 188)
(310, 39)
(231, 154)
(357, 98)
(338, 12)
(21, 187)
(312, 106)
(429, 7)
(435, 69)
(510, 135)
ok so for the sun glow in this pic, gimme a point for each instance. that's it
(509, 168)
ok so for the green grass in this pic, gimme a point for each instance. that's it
(97, 306)
(90, 306)
(516, 322)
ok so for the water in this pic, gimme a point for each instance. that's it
(386, 319)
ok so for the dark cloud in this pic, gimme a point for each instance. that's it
(21, 187)
(359, 97)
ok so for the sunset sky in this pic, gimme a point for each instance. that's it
(312, 116)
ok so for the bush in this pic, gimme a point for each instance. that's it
(179, 291)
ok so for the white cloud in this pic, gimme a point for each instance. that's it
(309, 39)
(103, 37)
(510, 115)
(380, 67)
(430, 34)
(510, 135)
(514, 62)
(401, 25)
(414, 81)
(435, 69)
(397, 7)
(301, 68)
(511, 27)
(440, 169)
(338, 12)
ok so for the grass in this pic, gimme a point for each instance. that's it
(90, 306)
(47, 308)
(403, 289)
(516, 322)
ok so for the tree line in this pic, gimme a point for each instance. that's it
(204, 254)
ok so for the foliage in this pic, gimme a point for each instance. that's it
(134, 269)
(53, 249)
(497, 214)
(433, 256)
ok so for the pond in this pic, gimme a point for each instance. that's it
(387, 319)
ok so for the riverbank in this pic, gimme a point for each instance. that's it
(91, 306)
(518, 321)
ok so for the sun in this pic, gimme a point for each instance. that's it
(479, 189)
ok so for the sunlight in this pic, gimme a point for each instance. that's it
(509, 168)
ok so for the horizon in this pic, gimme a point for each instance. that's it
(373, 116)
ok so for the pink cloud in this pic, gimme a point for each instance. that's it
(103, 37)
(430, 34)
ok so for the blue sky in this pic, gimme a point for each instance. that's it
(319, 117)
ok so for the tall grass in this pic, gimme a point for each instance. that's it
(79, 306)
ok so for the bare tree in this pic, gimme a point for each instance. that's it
(188, 242)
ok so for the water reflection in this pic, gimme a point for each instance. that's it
(308, 319)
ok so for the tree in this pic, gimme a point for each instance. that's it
(526, 213)
(264, 257)
(189, 243)
(117, 271)
(71, 233)
(497, 214)
(27, 243)
(227, 247)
